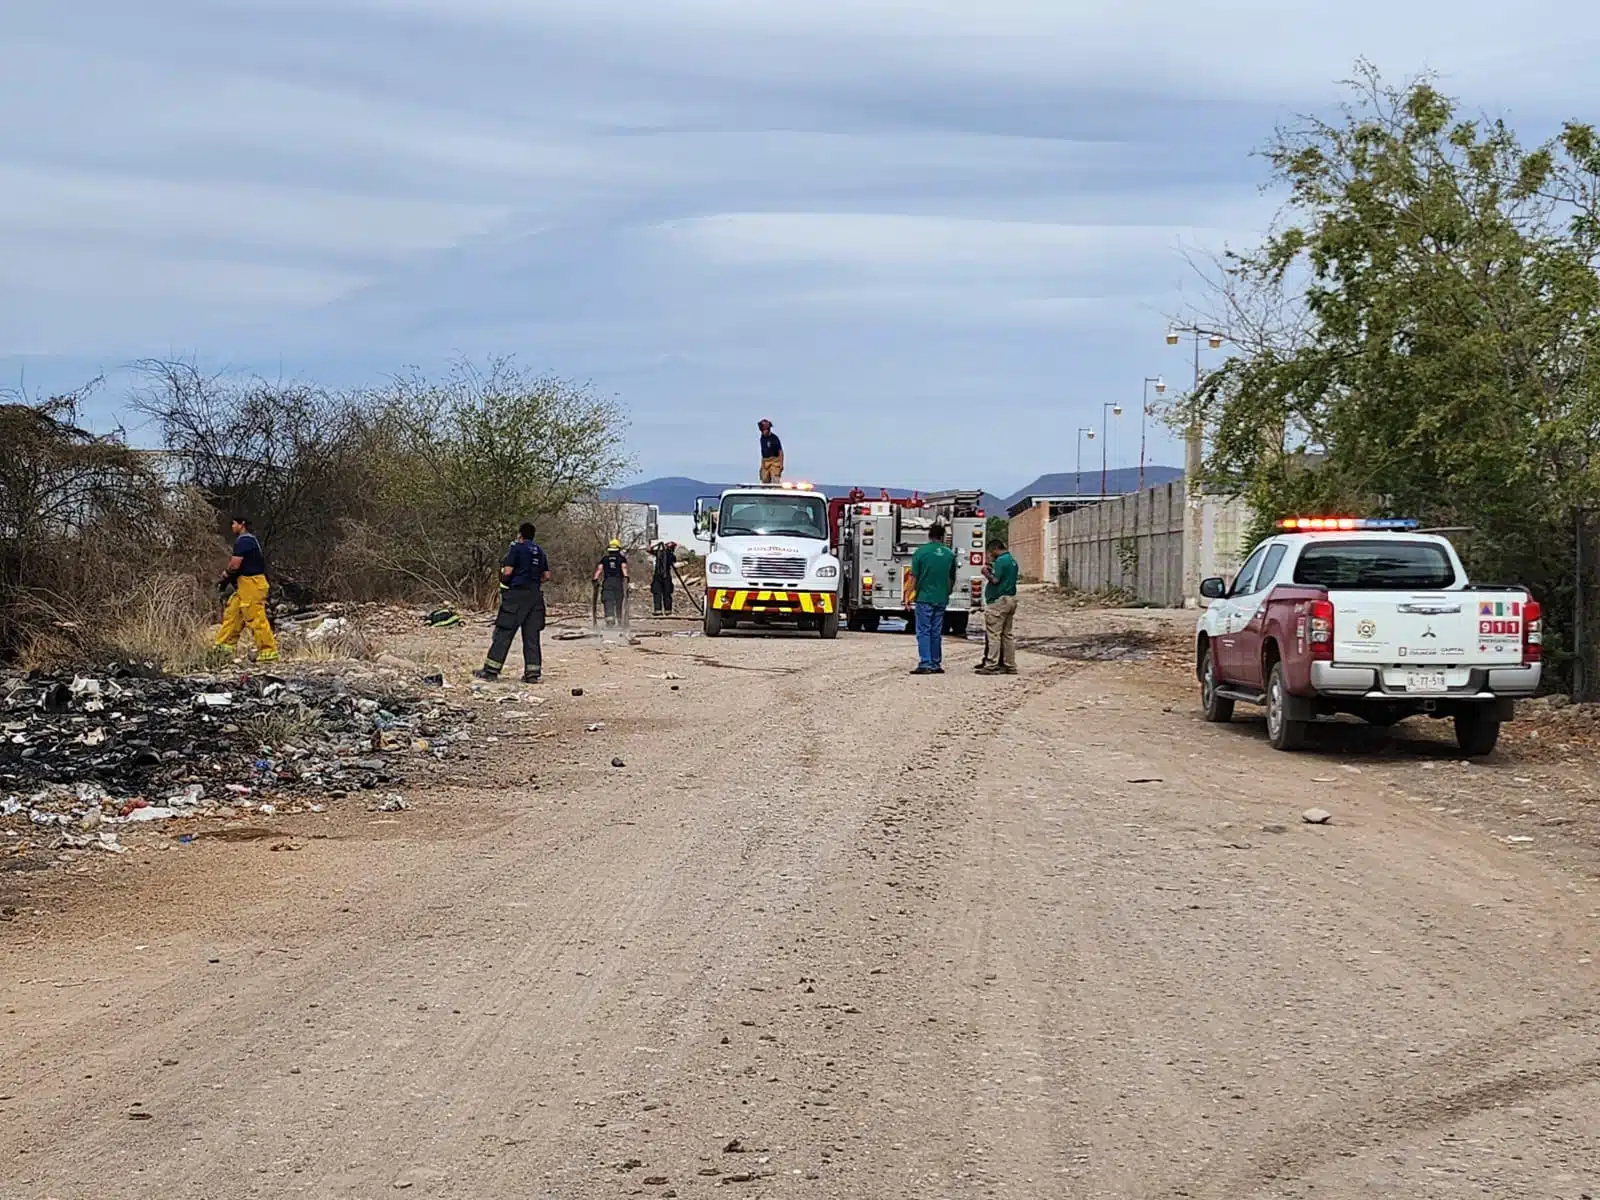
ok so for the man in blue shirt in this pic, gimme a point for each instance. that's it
(523, 573)
(247, 572)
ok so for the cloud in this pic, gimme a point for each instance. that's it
(905, 220)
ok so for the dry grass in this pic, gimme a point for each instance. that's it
(352, 638)
(165, 621)
(283, 725)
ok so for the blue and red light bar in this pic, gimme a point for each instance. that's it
(1345, 524)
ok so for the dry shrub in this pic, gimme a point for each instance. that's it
(166, 621)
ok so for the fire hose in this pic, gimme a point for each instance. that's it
(689, 591)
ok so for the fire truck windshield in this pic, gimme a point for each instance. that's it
(773, 516)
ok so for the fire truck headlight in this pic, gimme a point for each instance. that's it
(718, 568)
(828, 572)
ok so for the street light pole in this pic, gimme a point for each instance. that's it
(1077, 477)
(1193, 462)
(1115, 410)
(1144, 412)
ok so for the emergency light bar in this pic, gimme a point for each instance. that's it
(797, 485)
(1344, 524)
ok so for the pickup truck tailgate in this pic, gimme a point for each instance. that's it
(1453, 628)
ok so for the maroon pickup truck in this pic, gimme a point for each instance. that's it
(1361, 617)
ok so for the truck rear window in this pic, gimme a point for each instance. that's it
(1375, 566)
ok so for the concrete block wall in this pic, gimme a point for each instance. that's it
(1135, 542)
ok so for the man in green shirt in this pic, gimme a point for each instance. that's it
(999, 613)
(933, 577)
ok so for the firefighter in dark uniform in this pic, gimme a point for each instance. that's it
(612, 576)
(523, 574)
(666, 557)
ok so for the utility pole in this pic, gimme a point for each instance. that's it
(1193, 463)
(1144, 413)
(1115, 410)
(1077, 476)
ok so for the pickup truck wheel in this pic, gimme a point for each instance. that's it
(1477, 732)
(1283, 733)
(713, 623)
(1218, 709)
(829, 625)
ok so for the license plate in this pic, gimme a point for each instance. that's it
(1426, 681)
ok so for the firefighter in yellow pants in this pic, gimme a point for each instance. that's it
(248, 605)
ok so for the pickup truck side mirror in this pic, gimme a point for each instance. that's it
(1214, 588)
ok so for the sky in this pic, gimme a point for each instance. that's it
(931, 239)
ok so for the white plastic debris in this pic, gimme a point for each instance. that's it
(188, 798)
(91, 793)
(108, 842)
(393, 802)
(141, 815)
(92, 737)
(214, 700)
(329, 628)
(84, 686)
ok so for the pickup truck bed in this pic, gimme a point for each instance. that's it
(1380, 625)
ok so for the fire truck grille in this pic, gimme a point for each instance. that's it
(774, 568)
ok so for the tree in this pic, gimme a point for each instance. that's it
(473, 455)
(1418, 333)
(997, 529)
(82, 517)
(295, 458)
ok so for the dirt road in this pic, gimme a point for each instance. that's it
(832, 931)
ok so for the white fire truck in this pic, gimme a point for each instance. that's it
(770, 560)
(874, 540)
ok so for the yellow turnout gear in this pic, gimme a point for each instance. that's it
(248, 606)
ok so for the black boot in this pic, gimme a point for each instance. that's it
(486, 675)
(531, 675)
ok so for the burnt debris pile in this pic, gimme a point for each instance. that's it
(128, 744)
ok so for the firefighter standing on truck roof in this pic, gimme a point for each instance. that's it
(247, 571)
(771, 453)
(523, 573)
(612, 575)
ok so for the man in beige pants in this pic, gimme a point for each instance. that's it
(999, 612)
(771, 453)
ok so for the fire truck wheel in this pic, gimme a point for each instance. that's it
(869, 622)
(956, 624)
(829, 625)
(713, 627)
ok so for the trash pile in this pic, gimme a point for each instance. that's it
(131, 745)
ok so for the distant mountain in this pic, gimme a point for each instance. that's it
(1070, 483)
(676, 493)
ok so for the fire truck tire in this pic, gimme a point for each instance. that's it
(713, 625)
(829, 625)
(855, 622)
(869, 622)
(956, 624)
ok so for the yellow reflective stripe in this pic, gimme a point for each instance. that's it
(805, 602)
(827, 601)
(740, 599)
